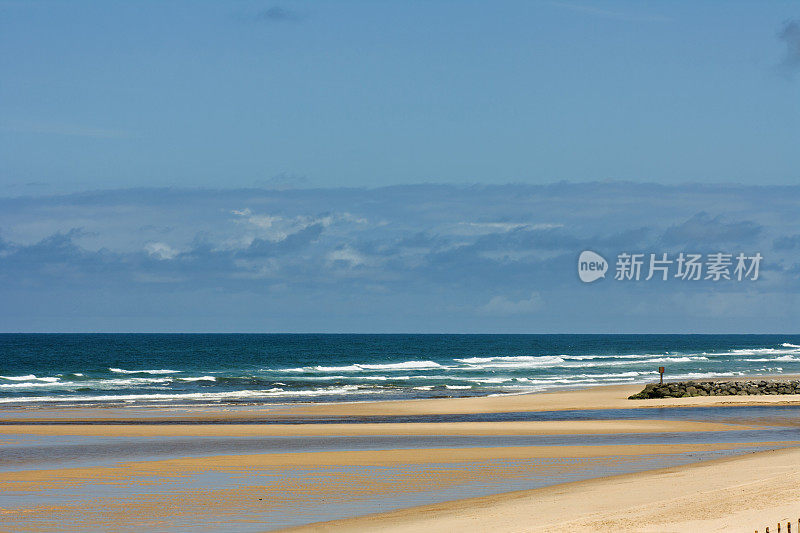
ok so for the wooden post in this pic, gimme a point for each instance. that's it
(661, 371)
(788, 527)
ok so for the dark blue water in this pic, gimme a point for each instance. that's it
(157, 368)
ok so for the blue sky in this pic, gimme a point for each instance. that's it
(104, 95)
(420, 258)
(394, 166)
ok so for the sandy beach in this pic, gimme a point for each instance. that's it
(747, 494)
(618, 465)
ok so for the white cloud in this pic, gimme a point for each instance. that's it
(277, 228)
(487, 228)
(161, 250)
(431, 250)
(347, 255)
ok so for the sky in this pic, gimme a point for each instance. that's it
(408, 166)
(109, 94)
(405, 258)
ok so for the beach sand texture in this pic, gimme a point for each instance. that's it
(674, 486)
(742, 494)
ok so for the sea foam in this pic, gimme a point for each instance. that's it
(160, 371)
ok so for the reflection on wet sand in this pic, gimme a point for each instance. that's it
(256, 477)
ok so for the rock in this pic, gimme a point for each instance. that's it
(686, 389)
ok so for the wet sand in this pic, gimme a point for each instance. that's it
(264, 490)
(475, 487)
(559, 427)
(740, 494)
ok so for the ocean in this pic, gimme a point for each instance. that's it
(196, 369)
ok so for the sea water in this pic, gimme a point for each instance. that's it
(181, 369)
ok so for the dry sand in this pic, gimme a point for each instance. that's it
(607, 397)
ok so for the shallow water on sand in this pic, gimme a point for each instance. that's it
(258, 499)
(276, 498)
(32, 451)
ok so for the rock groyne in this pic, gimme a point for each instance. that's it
(684, 389)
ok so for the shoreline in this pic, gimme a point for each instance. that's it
(600, 397)
(749, 492)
